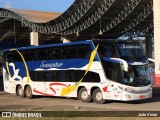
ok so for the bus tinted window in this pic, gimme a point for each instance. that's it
(55, 53)
(42, 54)
(69, 53)
(106, 50)
(17, 57)
(92, 77)
(112, 71)
(84, 51)
(60, 76)
(29, 55)
(131, 51)
(64, 76)
(71, 75)
(9, 57)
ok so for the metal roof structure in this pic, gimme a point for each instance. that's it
(16, 25)
(84, 19)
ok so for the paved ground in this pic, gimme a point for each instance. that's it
(12, 102)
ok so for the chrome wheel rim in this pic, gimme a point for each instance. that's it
(20, 91)
(84, 95)
(29, 92)
(99, 96)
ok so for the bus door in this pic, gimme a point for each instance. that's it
(116, 77)
(113, 71)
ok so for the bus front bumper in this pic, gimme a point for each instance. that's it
(130, 96)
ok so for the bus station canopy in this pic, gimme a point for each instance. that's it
(84, 19)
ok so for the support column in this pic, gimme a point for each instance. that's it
(34, 38)
(149, 47)
(65, 40)
(156, 12)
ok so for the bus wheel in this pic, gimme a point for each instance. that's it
(97, 96)
(28, 92)
(84, 96)
(20, 91)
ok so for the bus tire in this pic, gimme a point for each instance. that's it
(84, 96)
(97, 96)
(28, 92)
(20, 91)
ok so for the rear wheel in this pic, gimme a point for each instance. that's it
(28, 92)
(20, 91)
(97, 96)
(84, 96)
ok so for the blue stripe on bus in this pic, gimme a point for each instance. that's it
(47, 65)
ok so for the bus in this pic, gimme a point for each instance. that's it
(97, 70)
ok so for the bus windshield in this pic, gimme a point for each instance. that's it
(131, 52)
(137, 76)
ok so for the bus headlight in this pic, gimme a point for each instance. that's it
(127, 89)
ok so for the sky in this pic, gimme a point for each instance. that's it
(41, 5)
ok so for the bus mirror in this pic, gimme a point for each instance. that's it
(157, 65)
(123, 62)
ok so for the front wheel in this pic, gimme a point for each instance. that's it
(97, 96)
(28, 92)
(84, 96)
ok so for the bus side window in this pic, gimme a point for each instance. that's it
(40, 76)
(16, 57)
(107, 50)
(69, 53)
(54, 76)
(42, 54)
(62, 76)
(9, 57)
(57, 76)
(13, 56)
(70, 76)
(52, 53)
(84, 52)
(92, 77)
(29, 55)
(55, 54)
(112, 71)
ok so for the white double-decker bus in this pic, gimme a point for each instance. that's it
(97, 70)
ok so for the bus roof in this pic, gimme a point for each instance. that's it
(52, 45)
(111, 41)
